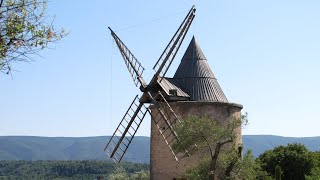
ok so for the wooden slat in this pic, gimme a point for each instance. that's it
(121, 139)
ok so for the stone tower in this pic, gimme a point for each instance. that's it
(194, 91)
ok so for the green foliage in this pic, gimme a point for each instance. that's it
(200, 171)
(204, 132)
(69, 169)
(246, 168)
(216, 143)
(121, 174)
(249, 169)
(278, 172)
(315, 171)
(141, 175)
(294, 160)
(24, 31)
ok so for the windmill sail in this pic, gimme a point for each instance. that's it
(165, 118)
(162, 65)
(123, 135)
(133, 65)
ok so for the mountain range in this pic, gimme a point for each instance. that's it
(91, 148)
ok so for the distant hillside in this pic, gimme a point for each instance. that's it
(67, 148)
(260, 143)
(91, 148)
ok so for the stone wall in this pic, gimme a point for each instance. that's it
(162, 162)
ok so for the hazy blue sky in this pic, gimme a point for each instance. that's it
(265, 55)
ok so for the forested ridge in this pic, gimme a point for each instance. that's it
(293, 161)
(65, 169)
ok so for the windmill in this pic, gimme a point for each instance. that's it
(154, 93)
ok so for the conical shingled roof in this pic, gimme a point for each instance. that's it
(195, 77)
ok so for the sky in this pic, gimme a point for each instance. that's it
(265, 55)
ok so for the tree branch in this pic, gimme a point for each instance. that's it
(1, 2)
(207, 143)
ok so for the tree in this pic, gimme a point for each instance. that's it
(249, 169)
(294, 160)
(210, 138)
(246, 168)
(87, 169)
(120, 174)
(141, 175)
(278, 172)
(24, 31)
(315, 171)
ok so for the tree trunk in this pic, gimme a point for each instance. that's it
(214, 159)
(230, 167)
